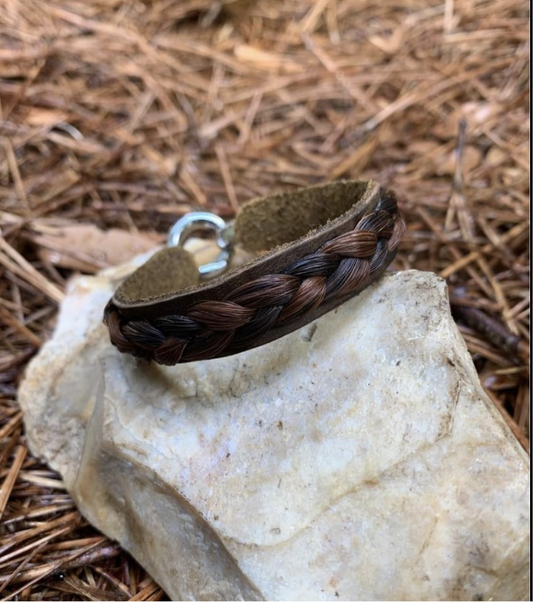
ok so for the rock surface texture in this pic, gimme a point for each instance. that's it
(357, 458)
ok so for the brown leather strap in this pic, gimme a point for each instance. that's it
(324, 244)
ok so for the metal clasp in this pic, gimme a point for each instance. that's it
(203, 221)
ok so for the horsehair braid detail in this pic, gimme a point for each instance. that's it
(255, 311)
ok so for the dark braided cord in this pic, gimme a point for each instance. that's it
(342, 266)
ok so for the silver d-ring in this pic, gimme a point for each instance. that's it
(202, 221)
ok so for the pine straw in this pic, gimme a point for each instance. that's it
(128, 114)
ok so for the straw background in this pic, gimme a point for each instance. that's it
(126, 114)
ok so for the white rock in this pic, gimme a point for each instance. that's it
(357, 458)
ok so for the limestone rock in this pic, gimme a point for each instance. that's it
(357, 458)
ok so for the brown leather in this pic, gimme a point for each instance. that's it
(324, 244)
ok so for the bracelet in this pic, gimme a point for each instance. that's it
(324, 244)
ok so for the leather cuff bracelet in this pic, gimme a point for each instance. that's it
(323, 245)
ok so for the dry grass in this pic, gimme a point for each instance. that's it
(129, 113)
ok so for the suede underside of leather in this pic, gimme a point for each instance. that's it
(268, 222)
(290, 224)
(169, 270)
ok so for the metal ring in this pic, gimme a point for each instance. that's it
(202, 220)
